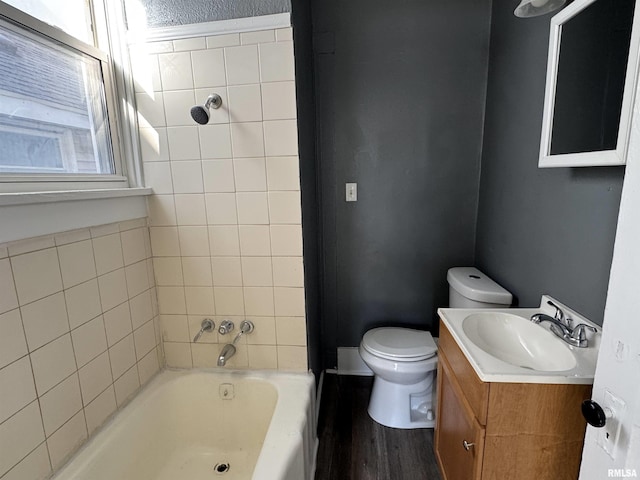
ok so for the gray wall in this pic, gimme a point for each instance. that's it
(164, 13)
(400, 93)
(539, 230)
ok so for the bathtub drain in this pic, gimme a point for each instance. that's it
(221, 468)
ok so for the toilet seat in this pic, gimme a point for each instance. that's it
(399, 344)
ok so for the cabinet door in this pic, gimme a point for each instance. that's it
(456, 427)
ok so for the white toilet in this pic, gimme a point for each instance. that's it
(404, 360)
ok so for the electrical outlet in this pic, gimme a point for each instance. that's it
(609, 435)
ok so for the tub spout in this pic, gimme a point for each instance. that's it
(228, 351)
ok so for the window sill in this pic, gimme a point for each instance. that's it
(27, 215)
(30, 198)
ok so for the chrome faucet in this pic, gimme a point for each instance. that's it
(207, 325)
(229, 350)
(576, 337)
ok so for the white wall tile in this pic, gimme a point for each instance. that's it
(145, 70)
(36, 275)
(187, 177)
(16, 385)
(252, 208)
(263, 356)
(133, 247)
(8, 297)
(247, 139)
(218, 176)
(283, 173)
(288, 272)
(45, 320)
(276, 62)
(171, 300)
(89, 341)
(157, 175)
(221, 209)
(264, 332)
(95, 377)
(60, 403)
(229, 300)
(284, 34)
(175, 71)
(197, 271)
(292, 358)
(19, 435)
(284, 207)
(215, 141)
(12, 341)
(279, 100)
(174, 328)
(261, 36)
(148, 367)
(122, 356)
(72, 236)
(117, 323)
(137, 278)
(76, 263)
(102, 230)
(168, 271)
(224, 240)
(177, 105)
(188, 44)
(242, 65)
(67, 439)
(258, 301)
(154, 145)
(208, 68)
(227, 40)
(183, 143)
(291, 331)
(227, 271)
(289, 302)
(257, 272)
(113, 289)
(83, 303)
(108, 253)
(34, 466)
(164, 241)
(99, 409)
(250, 174)
(141, 308)
(144, 339)
(245, 103)
(53, 363)
(194, 241)
(178, 355)
(162, 210)
(281, 138)
(204, 355)
(126, 385)
(255, 240)
(150, 109)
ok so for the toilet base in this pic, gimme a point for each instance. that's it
(403, 406)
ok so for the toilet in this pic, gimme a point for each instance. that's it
(404, 360)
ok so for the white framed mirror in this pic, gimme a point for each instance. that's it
(591, 77)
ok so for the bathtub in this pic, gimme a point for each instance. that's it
(207, 424)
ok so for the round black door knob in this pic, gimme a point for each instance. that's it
(593, 414)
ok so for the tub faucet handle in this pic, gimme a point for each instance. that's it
(207, 325)
(225, 327)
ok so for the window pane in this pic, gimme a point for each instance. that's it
(53, 116)
(70, 16)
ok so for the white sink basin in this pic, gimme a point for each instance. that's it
(518, 341)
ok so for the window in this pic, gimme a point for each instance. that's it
(58, 110)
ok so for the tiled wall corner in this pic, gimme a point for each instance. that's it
(79, 334)
(225, 216)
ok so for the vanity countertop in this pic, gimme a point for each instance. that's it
(492, 369)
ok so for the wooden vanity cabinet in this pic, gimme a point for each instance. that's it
(512, 430)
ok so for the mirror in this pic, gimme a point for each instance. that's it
(591, 77)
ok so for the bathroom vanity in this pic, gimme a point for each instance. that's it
(497, 420)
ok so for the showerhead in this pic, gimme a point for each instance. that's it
(201, 113)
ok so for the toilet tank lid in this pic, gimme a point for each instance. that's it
(475, 285)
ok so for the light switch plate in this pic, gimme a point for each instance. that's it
(351, 190)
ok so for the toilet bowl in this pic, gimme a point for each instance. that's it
(404, 363)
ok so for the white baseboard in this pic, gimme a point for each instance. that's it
(350, 362)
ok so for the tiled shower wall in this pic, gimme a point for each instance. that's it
(225, 216)
(79, 334)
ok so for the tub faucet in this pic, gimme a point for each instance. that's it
(229, 350)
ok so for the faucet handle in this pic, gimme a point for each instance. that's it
(207, 325)
(225, 327)
(580, 331)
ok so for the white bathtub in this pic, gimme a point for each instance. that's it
(187, 425)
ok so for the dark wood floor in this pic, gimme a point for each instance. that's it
(354, 447)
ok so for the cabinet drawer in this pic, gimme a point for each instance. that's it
(459, 436)
(476, 391)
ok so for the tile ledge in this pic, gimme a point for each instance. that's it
(29, 198)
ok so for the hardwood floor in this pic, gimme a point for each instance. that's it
(354, 447)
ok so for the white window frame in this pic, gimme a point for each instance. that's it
(108, 23)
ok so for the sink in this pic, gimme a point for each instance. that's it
(517, 341)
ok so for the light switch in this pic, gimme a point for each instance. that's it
(351, 192)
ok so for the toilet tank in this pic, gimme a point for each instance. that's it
(470, 288)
